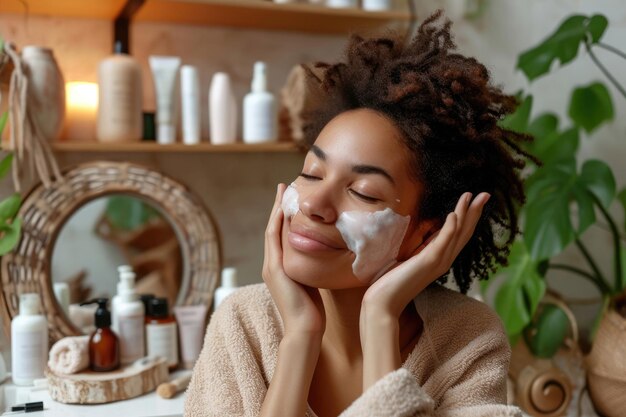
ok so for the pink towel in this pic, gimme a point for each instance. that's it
(69, 355)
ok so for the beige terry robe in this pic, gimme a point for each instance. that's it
(457, 369)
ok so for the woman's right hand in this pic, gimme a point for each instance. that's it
(300, 307)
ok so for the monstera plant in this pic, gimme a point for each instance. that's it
(10, 226)
(565, 195)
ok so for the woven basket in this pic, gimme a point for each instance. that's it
(606, 366)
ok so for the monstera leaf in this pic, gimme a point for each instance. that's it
(516, 300)
(549, 226)
(591, 106)
(562, 45)
(518, 120)
(551, 145)
(546, 333)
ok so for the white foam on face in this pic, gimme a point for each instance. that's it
(290, 204)
(375, 239)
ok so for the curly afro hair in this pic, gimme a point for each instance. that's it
(448, 113)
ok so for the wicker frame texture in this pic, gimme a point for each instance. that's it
(45, 210)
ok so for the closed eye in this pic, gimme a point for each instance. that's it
(309, 177)
(365, 198)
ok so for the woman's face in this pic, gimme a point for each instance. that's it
(357, 164)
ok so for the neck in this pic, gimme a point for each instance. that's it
(342, 335)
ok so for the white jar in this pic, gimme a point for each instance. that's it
(260, 120)
(376, 5)
(222, 110)
(29, 342)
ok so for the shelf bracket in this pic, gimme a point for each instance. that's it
(121, 25)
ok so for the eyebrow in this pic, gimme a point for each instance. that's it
(359, 169)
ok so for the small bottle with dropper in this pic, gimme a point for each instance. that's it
(104, 346)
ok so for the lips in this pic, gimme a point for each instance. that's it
(309, 240)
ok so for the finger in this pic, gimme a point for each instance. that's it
(461, 211)
(273, 249)
(445, 237)
(472, 217)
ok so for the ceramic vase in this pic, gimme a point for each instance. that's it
(46, 90)
(606, 366)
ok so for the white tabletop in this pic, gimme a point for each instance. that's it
(148, 405)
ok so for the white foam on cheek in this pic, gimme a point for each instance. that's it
(290, 204)
(375, 239)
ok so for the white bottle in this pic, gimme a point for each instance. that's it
(222, 110)
(116, 299)
(130, 317)
(341, 4)
(229, 286)
(190, 103)
(29, 341)
(260, 122)
(376, 5)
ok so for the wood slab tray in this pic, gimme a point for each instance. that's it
(104, 387)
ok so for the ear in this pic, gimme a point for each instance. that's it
(418, 232)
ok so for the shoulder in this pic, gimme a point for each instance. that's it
(454, 321)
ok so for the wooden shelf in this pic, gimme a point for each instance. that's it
(249, 14)
(153, 147)
(95, 9)
(262, 14)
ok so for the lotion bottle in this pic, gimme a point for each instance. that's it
(229, 286)
(116, 299)
(190, 104)
(162, 333)
(120, 118)
(222, 110)
(29, 341)
(104, 347)
(260, 121)
(130, 316)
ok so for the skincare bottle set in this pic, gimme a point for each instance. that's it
(260, 120)
(370, 5)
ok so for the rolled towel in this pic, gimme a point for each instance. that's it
(69, 355)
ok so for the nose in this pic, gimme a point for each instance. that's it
(318, 204)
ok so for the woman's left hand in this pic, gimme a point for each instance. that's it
(391, 293)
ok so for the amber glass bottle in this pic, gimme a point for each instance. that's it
(161, 332)
(104, 346)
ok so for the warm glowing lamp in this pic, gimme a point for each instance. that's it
(81, 111)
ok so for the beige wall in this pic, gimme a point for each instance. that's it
(238, 189)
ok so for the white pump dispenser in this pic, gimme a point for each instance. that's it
(29, 341)
(260, 122)
(129, 318)
(229, 285)
(130, 321)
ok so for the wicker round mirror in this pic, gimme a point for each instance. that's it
(171, 214)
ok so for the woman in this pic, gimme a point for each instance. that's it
(408, 176)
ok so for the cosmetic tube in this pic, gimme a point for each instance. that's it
(164, 70)
(191, 328)
(190, 100)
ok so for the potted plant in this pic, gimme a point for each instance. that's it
(563, 201)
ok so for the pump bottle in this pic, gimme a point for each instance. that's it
(129, 319)
(104, 350)
(229, 285)
(260, 121)
(29, 341)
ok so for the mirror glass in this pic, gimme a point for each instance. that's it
(107, 232)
